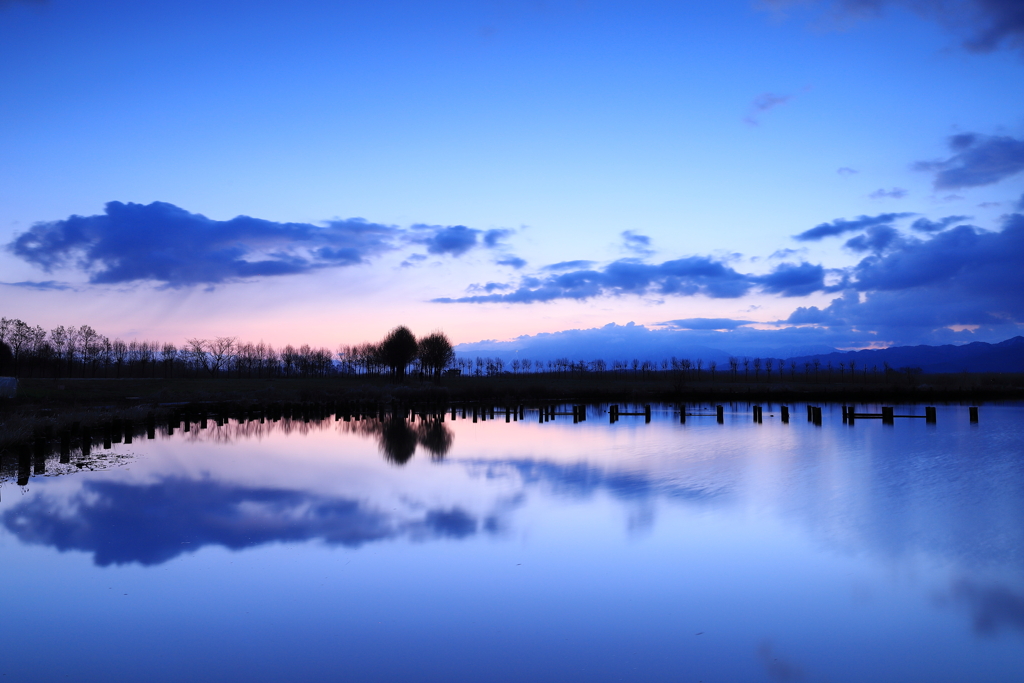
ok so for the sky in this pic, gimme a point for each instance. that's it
(784, 173)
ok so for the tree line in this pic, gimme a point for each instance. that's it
(27, 351)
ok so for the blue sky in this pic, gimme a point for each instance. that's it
(483, 142)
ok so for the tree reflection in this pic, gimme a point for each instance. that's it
(397, 440)
(435, 437)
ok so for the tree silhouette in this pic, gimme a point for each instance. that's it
(435, 353)
(6, 357)
(398, 350)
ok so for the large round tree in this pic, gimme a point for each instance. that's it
(435, 352)
(398, 350)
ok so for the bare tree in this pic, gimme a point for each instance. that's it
(221, 351)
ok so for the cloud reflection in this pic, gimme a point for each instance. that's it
(993, 607)
(149, 524)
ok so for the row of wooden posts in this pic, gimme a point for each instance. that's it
(120, 430)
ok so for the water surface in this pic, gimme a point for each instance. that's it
(526, 551)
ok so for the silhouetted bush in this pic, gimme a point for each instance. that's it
(398, 350)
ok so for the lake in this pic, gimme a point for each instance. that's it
(525, 550)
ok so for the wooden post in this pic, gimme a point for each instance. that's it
(887, 416)
(817, 415)
(785, 414)
(474, 414)
(647, 413)
(682, 413)
(974, 413)
(850, 414)
(929, 414)
(720, 411)
(810, 413)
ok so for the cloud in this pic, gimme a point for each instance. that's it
(513, 261)
(846, 170)
(786, 253)
(894, 193)
(792, 279)
(568, 265)
(842, 225)
(493, 238)
(638, 244)
(163, 243)
(44, 285)
(764, 103)
(454, 240)
(977, 160)
(682, 277)
(705, 323)
(621, 342)
(985, 25)
(961, 276)
(878, 238)
(925, 225)
(1020, 203)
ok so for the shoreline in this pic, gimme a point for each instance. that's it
(48, 410)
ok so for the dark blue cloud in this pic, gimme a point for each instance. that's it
(877, 239)
(977, 160)
(985, 25)
(636, 243)
(455, 240)
(842, 225)
(894, 193)
(152, 523)
(790, 279)
(962, 276)
(685, 277)
(1020, 203)
(925, 225)
(162, 243)
(510, 260)
(705, 323)
(45, 285)
(493, 238)
(575, 265)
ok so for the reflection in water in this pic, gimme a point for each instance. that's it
(152, 523)
(993, 607)
(398, 439)
(755, 537)
(777, 668)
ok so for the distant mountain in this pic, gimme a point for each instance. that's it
(1006, 356)
(626, 342)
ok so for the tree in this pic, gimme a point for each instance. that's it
(6, 357)
(436, 353)
(221, 351)
(397, 350)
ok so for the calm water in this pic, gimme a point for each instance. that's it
(527, 552)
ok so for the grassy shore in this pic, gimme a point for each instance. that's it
(63, 394)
